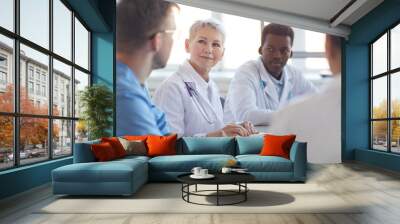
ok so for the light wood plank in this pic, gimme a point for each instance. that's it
(376, 190)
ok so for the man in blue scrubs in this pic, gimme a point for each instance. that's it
(144, 41)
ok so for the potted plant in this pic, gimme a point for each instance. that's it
(96, 102)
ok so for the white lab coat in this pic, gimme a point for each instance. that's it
(193, 110)
(252, 95)
(315, 120)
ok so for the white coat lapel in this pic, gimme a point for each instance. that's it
(269, 88)
(287, 88)
(187, 73)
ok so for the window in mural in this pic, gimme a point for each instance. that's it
(385, 91)
(43, 112)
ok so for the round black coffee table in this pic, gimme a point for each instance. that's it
(238, 179)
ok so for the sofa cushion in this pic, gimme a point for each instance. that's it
(257, 163)
(209, 145)
(185, 163)
(249, 145)
(112, 171)
(131, 158)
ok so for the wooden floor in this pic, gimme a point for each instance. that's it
(378, 188)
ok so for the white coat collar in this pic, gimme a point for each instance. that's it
(269, 88)
(188, 75)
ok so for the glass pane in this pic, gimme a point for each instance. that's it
(379, 55)
(309, 66)
(81, 81)
(33, 139)
(379, 135)
(62, 138)
(236, 54)
(6, 142)
(395, 136)
(395, 47)
(185, 18)
(6, 74)
(7, 14)
(395, 94)
(379, 98)
(81, 45)
(81, 131)
(35, 21)
(62, 89)
(308, 41)
(34, 82)
(62, 29)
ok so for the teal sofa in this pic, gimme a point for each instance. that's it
(125, 176)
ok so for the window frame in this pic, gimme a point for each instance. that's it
(388, 74)
(16, 115)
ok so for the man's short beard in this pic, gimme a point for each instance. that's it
(158, 62)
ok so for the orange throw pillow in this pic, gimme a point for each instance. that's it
(161, 145)
(275, 145)
(103, 152)
(135, 137)
(116, 145)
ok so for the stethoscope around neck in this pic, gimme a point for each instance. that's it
(262, 85)
(194, 94)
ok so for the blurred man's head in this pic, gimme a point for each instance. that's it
(276, 47)
(146, 24)
(333, 53)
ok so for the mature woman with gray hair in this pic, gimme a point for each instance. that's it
(189, 97)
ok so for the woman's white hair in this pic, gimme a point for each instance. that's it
(212, 23)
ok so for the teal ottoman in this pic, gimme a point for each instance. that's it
(118, 177)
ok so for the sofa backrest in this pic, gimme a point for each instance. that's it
(249, 145)
(209, 145)
(192, 146)
(83, 152)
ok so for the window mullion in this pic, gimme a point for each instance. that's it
(73, 83)
(50, 81)
(389, 104)
(371, 98)
(16, 84)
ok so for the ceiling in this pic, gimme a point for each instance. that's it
(317, 15)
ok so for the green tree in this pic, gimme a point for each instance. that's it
(96, 102)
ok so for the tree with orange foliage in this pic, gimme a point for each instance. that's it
(33, 130)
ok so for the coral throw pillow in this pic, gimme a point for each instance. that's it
(136, 137)
(161, 145)
(275, 145)
(116, 145)
(103, 152)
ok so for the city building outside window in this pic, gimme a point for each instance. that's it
(3, 78)
(30, 87)
(3, 61)
(30, 72)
